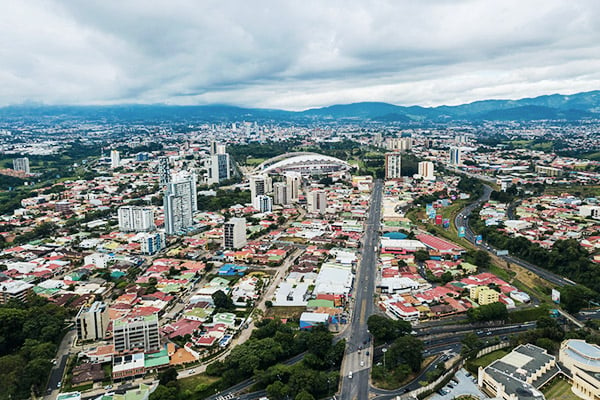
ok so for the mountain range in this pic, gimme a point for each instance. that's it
(573, 107)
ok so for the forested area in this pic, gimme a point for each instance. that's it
(29, 336)
(272, 342)
(223, 199)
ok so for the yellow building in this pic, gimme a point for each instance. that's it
(487, 296)
(483, 295)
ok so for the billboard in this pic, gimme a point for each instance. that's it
(430, 211)
(438, 219)
(555, 296)
(462, 231)
(478, 239)
(446, 223)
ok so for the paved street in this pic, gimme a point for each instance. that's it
(356, 385)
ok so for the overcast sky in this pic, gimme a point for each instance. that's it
(295, 54)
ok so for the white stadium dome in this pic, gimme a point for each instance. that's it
(305, 163)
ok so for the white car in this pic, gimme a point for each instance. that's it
(350, 375)
(362, 363)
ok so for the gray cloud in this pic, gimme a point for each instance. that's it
(295, 55)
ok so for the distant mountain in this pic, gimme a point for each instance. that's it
(551, 107)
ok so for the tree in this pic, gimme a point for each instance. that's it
(304, 395)
(488, 312)
(407, 349)
(169, 375)
(278, 390)
(575, 297)
(221, 300)
(470, 345)
(386, 329)
(421, 255)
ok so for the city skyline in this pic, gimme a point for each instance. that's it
(294, 57)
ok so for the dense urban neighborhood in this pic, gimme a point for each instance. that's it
(269, 260)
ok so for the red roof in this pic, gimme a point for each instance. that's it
(438, 244)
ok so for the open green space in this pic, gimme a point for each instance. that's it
(576, 190)
(486, 360)
(559, 389)
(528, 314)
(196, 383)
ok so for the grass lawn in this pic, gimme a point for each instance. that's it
(579, 190)
(192, 382)
(252, 162)
(559, 389)
(487, 359)
(528, 314)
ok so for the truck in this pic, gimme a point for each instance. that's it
(501, 252)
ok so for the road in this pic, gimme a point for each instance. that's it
(462, 219)
(58, 370)
(356, 363)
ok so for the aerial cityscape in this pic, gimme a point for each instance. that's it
(330, 200)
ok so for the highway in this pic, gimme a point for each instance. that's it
(356, 363)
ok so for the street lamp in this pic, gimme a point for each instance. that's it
(384, 350)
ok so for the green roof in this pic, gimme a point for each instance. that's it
(133, 394)
(70, 395)
(151, 317)
(224, 318)
(217, 281)
(320, 303)
(198, 312)
(153, 360)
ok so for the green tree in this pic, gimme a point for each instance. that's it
(222, 301)
(408, 350)
(386, 329)
(304, 395)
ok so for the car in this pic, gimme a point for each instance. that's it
(108, 387)
(350, 374)
(58, 385)
(192, 371)
(362, 363)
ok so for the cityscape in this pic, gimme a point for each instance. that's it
(301, 233)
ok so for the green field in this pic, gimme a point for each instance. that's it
(559, 389)
(486, 360)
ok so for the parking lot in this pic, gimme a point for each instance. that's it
(466, 385)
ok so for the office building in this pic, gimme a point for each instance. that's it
(91, 321)
(219, 168)
(393, 166)
(582, 359)
(152, 243)
(136, 219)
(136, 334)
(426, 170)
(455, 155)
(234, 233)
(17, 290)
(280, 193)
(317, 201)
(263, 203)
(141, 157)
(548, 171)
(115, 159)
(180, 204)
(519, 374)
(259, 185)
(164, 173)
(294, 185)
(217, 148)
(21, 164)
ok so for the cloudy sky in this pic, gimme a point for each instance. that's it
(295, 54)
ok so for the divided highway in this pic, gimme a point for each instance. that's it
(356, 364)
(462, 219)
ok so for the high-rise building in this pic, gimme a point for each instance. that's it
(217, 148)
(402, 144)
(136, 219)
(136, 334)
(280, 193)
(393, 166)
(180, 204)
(455, 155)
(258, 186)
(91, 321)
(318, 201)
(219, 168)
(426, 170)
(294, 183)
(152, 243)
(164, 173)
(263, 203)
(234, 233)
(21, 164)
(115, 159)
